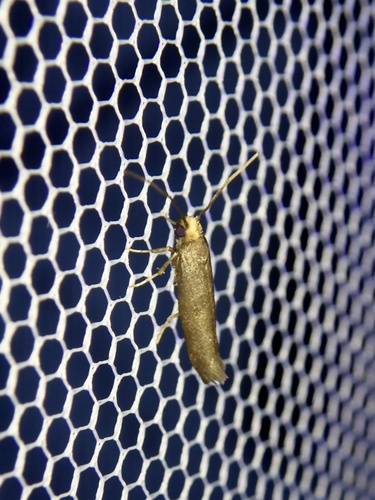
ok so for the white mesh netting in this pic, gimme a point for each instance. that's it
(185, 92)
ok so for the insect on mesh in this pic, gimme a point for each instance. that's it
(186, 92)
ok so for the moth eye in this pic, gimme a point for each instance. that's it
(180, 232)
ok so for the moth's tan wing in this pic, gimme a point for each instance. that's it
(196, 303)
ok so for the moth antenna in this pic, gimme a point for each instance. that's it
(159, 190)
(228, 181)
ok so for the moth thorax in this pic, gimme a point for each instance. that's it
(188, 227)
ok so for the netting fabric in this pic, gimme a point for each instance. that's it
(185, 92)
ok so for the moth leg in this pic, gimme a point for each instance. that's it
(168, 218)
(158, 272)
(152, 250)
(172, 316)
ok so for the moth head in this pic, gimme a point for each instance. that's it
(188, 227)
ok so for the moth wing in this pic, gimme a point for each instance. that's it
(197, 309)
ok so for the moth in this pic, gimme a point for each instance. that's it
(191, 260)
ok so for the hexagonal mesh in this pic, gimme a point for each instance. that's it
(185, 92)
